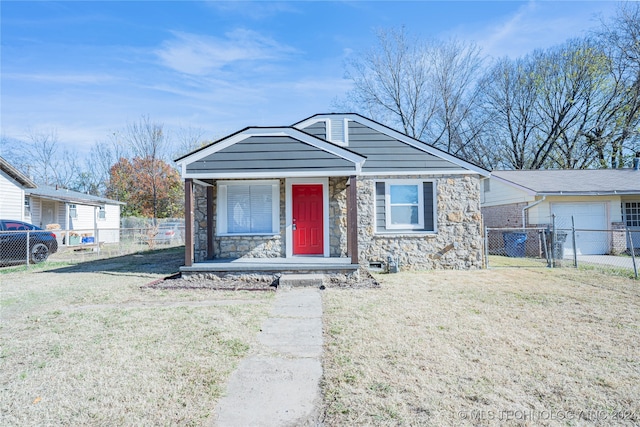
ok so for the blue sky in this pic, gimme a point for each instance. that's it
(88, 68)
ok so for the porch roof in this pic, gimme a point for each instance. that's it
(276, 152)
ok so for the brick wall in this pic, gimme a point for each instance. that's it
(503, 216)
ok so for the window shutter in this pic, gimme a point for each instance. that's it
(381, 219)
(427, 189)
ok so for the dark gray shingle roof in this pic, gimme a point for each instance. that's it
(575, 181)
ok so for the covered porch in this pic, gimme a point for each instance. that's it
(209, 250)
(271, 198)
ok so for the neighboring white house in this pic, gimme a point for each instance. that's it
(74, 211)
(598, 200)
(12, 187)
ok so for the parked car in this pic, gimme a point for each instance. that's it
(170, 233)
(13, 242)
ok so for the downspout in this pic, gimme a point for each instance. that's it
(524, 221)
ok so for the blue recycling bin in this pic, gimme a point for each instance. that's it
(514, 244)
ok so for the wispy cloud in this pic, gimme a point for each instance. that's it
(536, 25)
(201, 55)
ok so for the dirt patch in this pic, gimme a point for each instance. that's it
(257, 282)
(226, 283)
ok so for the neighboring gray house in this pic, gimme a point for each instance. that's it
(598, 200)
(333, 188)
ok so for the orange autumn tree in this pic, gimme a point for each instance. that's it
(149, 187)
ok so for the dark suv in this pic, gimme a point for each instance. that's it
(13, 242)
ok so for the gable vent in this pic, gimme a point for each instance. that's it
(338, 131)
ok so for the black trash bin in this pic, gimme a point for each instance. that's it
(558, 245)
(514, 244)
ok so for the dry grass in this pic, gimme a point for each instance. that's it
(492, 347)
(90, 345)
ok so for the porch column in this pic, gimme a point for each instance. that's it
(210, 231)
(188, 222)
(352, 220)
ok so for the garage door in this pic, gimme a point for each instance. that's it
(587, 216)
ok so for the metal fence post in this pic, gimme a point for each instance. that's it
(573, 239)
(553, 241)
(486, 247)
(97, 242)
(632, 248)
(28, 245)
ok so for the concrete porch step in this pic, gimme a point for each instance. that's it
(288, 281)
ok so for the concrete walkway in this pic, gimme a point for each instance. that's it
(279, 385)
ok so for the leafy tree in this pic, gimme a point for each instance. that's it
(151, 188)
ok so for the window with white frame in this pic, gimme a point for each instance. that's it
(405, 206)
(102, 214)
(632, 214)
(27, 206)
(404, 202)
(248, 207)
(73, 211)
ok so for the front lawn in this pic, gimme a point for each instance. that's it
(90, 344)
(492, 347)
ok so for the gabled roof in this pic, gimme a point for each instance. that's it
(70, 196)
(269, 152)
(399, 136)
(307, 148)
(14, 173)
(573, 182)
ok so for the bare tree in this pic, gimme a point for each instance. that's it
(615, 135)
(425, 89)
(42, 148)
(188, 138)
(509, 99)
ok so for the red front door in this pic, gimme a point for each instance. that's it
(307, 219)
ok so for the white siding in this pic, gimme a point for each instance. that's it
(504, 194)
(541, 214)
(11, 198)
(110, 226)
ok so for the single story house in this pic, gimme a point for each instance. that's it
(332, 189)
(73, 211)
(13, 184)
(599, 203)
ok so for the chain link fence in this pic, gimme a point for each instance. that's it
(84, 245)
(563, 245)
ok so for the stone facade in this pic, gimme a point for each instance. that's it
(458, 242)
(338, 217)
(456, 245)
